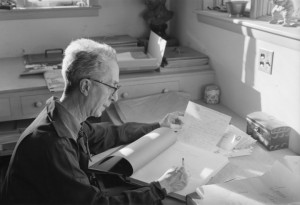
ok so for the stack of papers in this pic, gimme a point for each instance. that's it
(31, 69)
(54, 80)
(182, 59)
(280, 185)
(117, 41)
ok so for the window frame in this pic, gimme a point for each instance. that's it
(53, 12)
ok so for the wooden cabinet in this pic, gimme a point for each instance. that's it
(23, 97)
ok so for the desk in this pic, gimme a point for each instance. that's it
(252, 165)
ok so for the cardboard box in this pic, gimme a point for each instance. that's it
(268, 130)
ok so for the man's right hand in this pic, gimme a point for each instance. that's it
(174, 179)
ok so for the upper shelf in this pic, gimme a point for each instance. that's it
(256, 28)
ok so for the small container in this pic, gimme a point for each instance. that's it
(212, 94)
(236, 8)
(268, 130)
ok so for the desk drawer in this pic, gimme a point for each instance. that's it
(139, 90)
(5, 107)
(33, 104)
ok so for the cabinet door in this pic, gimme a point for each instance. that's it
(32, 105)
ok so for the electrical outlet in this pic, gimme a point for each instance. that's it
(265, 61)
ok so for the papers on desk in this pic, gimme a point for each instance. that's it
(277, 186)
(207, 129)
(292, 163)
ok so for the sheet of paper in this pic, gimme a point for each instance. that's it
(201, 165)
(277, 186)
(292, 163)
(203, 127)
(156, 47)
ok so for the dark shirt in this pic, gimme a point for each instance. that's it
(50, 161)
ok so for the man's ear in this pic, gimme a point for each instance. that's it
(85, 86)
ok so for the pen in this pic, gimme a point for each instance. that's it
(182, 161)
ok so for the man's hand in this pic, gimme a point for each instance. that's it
(172, 120)
(175, 179)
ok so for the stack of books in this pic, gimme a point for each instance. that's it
(183, 58)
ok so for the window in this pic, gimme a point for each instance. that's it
(38, 9)
(32, 4)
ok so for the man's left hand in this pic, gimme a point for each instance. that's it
(172, 120)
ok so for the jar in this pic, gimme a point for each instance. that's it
(211, 94)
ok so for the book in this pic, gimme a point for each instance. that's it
(139, 160)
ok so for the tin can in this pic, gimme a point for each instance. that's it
(211, 94)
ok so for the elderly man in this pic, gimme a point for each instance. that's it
(50, 161)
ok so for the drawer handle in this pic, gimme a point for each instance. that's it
(165, 90)
(125, 95)
(38, 104)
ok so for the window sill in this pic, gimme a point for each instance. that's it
(38, 13)
(257, 28)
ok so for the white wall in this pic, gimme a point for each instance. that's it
(116, 17)
(234, 57)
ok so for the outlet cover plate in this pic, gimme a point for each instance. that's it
(265, 60)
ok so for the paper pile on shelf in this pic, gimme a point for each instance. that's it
(183, 58)
(31, 69)
(117, 41)
(54, 80)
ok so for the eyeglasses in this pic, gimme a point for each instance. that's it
(115, 88)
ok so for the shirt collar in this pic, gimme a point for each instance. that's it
(65, 124)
